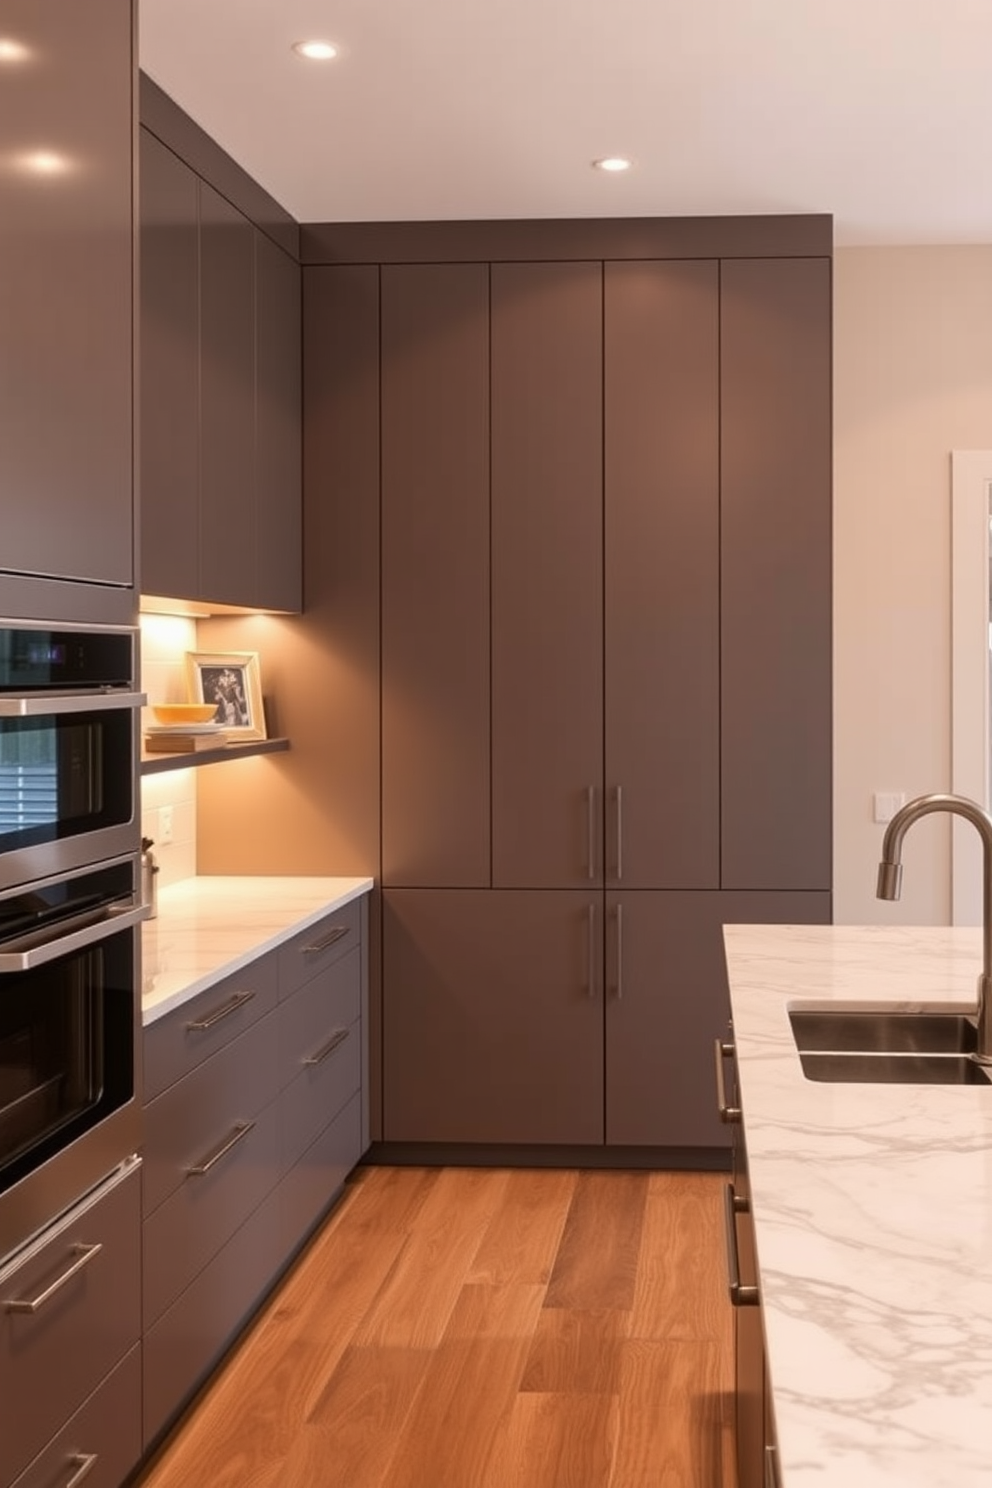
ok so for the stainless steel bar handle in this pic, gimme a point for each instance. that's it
(83, 1253)
(730, 1114)
(325, 941)
(200, 1025)
(771, 1468)
(591, 947)
(740, 1295)
(116, 917)
(84, 1463)
(337, 1037)
(591, 828)
(47, 704)
(619, 832)
(238, 1135)
(619, 951)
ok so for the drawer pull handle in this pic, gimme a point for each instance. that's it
(740, 1295)
(224, 1011)
(83, 1253)
(325, 941)
(337, 1037)
(729, 1114)
(84, 1463)
(238, 1135)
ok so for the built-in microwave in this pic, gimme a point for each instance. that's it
(69, 741)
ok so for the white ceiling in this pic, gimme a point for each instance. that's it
(876, 111)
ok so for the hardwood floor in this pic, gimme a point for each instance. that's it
(483, 1328)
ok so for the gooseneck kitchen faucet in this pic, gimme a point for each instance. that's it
(890, 884)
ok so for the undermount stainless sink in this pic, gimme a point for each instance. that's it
(843, 1030)
(845, 1046)
(895, 1069)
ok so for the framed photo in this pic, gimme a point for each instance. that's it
(231, 680)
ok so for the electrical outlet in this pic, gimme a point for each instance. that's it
(165, 824)
(886, 804)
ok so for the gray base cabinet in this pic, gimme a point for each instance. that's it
(61, 1358)
(255, 1121)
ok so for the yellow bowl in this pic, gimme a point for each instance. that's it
(184, 712)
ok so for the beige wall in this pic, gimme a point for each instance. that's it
(912, 381)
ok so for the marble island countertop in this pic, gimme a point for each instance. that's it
(208, 927)
(872, 1210)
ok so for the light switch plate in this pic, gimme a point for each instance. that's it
(886, 804)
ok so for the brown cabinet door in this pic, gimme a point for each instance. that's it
(667, 1000)
(493, 1016)
(547, 574)
(662, 463)
(775, 573)
(66, 289)
(227, 401)
(170, 388)
(278, 429)
(435, 575)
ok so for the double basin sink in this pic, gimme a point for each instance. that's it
(860, 1047)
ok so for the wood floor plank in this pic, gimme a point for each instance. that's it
(576, 1352)
(681, 1287)
(387, 1197)
(561, 1441)
(469, 1388)
(596, 1265)
(414, 1305)
(522, 1239)
(361, 1412)
(670, 1431)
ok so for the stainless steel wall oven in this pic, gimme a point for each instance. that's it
(70, 912)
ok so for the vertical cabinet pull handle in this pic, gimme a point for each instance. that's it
(729, 1114)
(619, 951)
(591, 828)
(619, 832)
(84, 1463)
(591, 948)
(740, 1295)
(83, 1253)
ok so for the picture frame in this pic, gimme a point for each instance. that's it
(232, 679)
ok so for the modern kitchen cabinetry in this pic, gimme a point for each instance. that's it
(66, 276)
(71, 1311)
(221, 391)
(253, 1121)
(605, 675)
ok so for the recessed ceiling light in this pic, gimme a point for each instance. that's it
(12, 51)
(613, 163)
(317, 51)
(44, 163)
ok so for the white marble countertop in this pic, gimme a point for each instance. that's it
(208, 927)
(873, 1217)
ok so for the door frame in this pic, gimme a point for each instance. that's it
(971, 507)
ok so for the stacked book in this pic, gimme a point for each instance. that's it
(179, 740)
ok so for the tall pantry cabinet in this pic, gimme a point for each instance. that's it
(605, 614)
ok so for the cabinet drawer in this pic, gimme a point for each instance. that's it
(106, 1430)
(84, 1281)
(187, 1036)
(190, 1336)
(311, 1184)
(186, 1122)
(236, 1169)
(324, 943)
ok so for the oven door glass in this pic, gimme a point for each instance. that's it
(64, 774)
(67, 972)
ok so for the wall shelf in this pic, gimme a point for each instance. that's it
(158, 764)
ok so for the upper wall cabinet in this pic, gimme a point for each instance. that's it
(220, 397)
(66, 277)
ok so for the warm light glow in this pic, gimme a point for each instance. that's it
(44, 163)
(613, 163)
(316, 51)
(13, 51)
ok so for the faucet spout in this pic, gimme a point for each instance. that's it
(890, 885)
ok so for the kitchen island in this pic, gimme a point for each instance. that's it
(872, 1208)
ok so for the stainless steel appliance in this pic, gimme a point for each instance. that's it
(69, 741)
(70, 912)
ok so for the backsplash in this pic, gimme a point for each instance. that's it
(168, 801)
